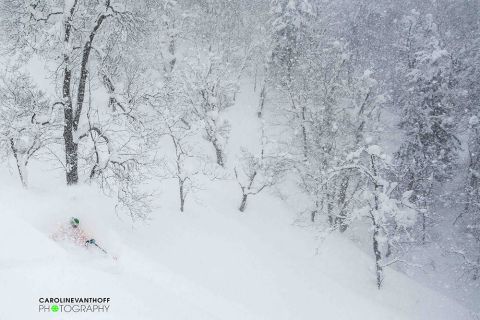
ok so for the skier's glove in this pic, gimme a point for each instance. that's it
(91, 241)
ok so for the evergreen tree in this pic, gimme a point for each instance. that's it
(428, 152)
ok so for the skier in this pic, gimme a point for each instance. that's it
(72, 232)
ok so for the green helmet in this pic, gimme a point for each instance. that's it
(74, 222)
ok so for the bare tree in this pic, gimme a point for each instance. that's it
(389, 217)
(81, 28)
(213, 86)
(174, 130)
(254, 173)
(26, 119)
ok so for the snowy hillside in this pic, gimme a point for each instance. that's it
(210, 263)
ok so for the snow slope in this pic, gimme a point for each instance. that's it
(210, 263)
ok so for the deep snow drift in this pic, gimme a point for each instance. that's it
(210, 263)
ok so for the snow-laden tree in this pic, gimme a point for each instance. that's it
(291, 22)
(27, 119)
(469, 217)
(256, 172)
(294, 48)
(390, 218)
(341, 110)
(170, 25)
(468, 246)
(427, 105)
(212, 85)
(77, 39)
(100, 81)
(175, 132)
(221, 46)
(114, 147)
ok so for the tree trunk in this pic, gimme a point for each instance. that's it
(182, 195)
(71, 147)
(263, 96)
(331, 218)
(304, 133)
(72, 118)
(171, 50)
(389, 249)
(424, 216)
(476, 271)
(342, 195)
(243, 204)
(255, 79)
(378, 256)
(313, 213)
(22, 172)
(71, 155)
(424, 227)
(218, 153)
(376, 228)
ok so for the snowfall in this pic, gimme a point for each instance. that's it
(210, 262)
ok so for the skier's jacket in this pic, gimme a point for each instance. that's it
(69, 233)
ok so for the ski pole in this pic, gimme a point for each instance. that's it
(92, 241)
(104, 251)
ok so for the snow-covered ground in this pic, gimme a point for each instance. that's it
(209, 263)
